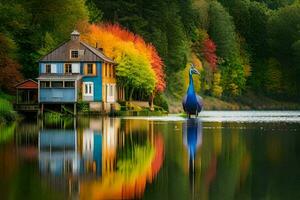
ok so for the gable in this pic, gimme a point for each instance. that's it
(87, 53)
(27, 84)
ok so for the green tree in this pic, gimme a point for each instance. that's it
(95, 14)
(222, 31)
(37, 18)
(274, 79)
(134, 73)
(284, 36)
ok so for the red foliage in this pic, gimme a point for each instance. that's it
(156, 62)
(10, 74)
(9, 69)
(209, 51)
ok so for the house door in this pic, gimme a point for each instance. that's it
(111, 93)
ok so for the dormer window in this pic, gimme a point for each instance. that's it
(74, 54)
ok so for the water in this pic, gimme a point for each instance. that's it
(221, 155)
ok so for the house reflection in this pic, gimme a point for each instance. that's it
(91, 152)
(101, 158)
(111, 128)
(58, 152)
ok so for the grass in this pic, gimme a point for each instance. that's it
(56, 118)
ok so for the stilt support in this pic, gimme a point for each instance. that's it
(75, 109)
(42, 110)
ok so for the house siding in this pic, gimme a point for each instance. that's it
(57, 95)
(97, 80)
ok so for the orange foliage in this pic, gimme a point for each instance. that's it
(106, 34)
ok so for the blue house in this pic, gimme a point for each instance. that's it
(75, 71)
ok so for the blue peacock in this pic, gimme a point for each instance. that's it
(191, 102)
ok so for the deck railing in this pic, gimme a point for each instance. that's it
(26, 107)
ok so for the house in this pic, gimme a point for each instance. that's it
(76, 71)
(27, 96)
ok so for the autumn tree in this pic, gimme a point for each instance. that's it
(139, 66)
(10, 74)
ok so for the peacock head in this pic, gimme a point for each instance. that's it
(193, 70)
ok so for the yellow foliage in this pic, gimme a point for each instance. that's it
(234, 89)
(217, 90)
(247, 70)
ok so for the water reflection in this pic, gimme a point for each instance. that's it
(192, 139)
(102, 159)
(111, 158)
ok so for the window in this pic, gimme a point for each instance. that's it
(48, 68)
(111, 91)
(68, 68)
(114, 72)
(69, 84)
(90, 68)
(106, 69)
(45, 84)
(103, 70)
(57, 84)
(74, 54)
(111, 71)
(88, 88)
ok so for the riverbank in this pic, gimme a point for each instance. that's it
(249, 101)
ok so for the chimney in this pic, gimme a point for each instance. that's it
(98, 47)
(75, 35)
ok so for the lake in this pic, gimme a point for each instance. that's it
(220, 155)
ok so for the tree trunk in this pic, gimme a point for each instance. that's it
(151, 104)
(131, 93)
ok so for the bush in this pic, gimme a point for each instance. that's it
(7, 113)
(161, 101)
(83, 106)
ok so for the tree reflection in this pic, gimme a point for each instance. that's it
(132, 156)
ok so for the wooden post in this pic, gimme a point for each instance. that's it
(75, 110)
(42, 110)
(28, 96)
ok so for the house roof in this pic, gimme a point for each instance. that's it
(51, 77)
(98, 53)
(87, 53)
(27, 84)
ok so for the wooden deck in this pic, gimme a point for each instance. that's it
(27, 107)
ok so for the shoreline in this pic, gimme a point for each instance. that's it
(245, 103)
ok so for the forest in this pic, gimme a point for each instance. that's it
(241, 47)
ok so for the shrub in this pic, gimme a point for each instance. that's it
(159, 100)
(7, 113)
(83, 106)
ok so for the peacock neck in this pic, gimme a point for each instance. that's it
(191, 89)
